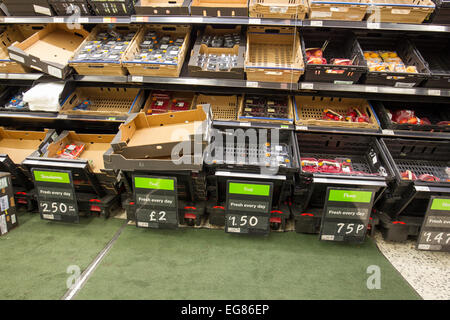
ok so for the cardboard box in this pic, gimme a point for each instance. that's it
(99, 67)
(11, 34)
(49, 50)
(199, 48)
(88, 169)
(8, 217)
(354, 10)
(158, 69)
(154, 136)
(273, 54)
(171, 103)
(288, 119)
(16, 145)
(162, 7)
(220, 8)
(280, 9)
(104, 101)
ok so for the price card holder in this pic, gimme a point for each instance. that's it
(156, 202)
(248, 207)
(435, 232)
(57, 199)
(346, 214)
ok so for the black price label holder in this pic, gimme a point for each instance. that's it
(248, 206)
(435, 232)
(156, 202)
(57, 199)
(346, 214)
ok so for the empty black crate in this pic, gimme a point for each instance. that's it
(405, 50)
(370, 167)
(441, 14)
(434, 51)
(437, 114)
(341, 45)
(71, 7)
(409, 197)
(113, 7)
(8, 96)
(28, 7)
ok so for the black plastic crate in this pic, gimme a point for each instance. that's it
(371, 168)
(341, 45)
(8, 94)
(408, 197)
(434, 51)
(441, 14)
(71, 7)
(113, 7)
(435, 113)
(28, 7)
(405, 50)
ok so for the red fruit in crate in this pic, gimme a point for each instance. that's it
(408, 175)
(428, 177)
(315, 60)
(412, 120)
(403, 121)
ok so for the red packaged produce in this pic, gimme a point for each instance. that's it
(71, 151)
(329, 166)
(180, 105)
(408, 175)
(402, 116)
(443, 123)
(316, 60)
(428, 177)
(309, 164)
(329, 114)
(341, 62)
(314, 52)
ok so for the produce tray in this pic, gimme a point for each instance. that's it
(345, 10)
(273, 54)
(341, 45)
(223, 107)
(309, 112)
(158, 69)
(405, 50)
(236, 72)
(70, 7)
(434, 112)
(6, 96)
(288, 117)
(174, 97)
(113, 7)
(104, 101)
(162, 7)
(411, 197)
(400, 11)
(433, 50)
(281, 9)
(101, 67)
(219, 8)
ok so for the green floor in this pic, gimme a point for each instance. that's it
(189, 264)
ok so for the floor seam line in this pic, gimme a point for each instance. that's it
(84, 277)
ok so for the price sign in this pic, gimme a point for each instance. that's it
(156, 202)
(346, 214)
(56, 195)
(248, 207)
(435, 232)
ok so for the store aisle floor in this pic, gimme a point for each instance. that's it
(35, 255)
(209, 264)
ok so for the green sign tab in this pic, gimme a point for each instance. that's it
(50, 176)
(154, 183)
(250, 189)
(350, 196)
(441, 204)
